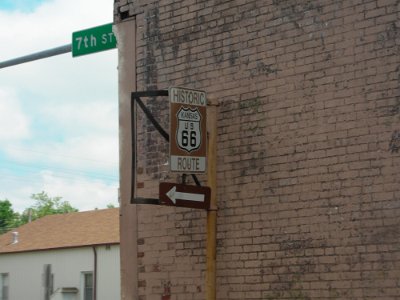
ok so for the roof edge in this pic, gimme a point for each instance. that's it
(59, 248)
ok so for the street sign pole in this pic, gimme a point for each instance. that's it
(36, 56)
(212, 212)
(84, 42)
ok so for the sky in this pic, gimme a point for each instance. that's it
(59, 115)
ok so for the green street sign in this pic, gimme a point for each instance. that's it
(93, 40)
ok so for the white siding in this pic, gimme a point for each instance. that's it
(108, 273)
(26, 271)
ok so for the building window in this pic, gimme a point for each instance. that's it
(87, 285)
(4, 286)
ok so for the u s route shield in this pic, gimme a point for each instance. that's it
(188, 137)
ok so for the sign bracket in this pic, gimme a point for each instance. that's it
(135, 97)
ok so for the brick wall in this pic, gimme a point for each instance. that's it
(308, 152)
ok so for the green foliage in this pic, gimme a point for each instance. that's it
(7, 216)
(44, 205)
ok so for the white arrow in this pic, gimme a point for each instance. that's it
(174, 195)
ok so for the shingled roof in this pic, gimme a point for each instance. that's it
(70, 230)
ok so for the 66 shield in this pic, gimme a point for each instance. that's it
(188, 132)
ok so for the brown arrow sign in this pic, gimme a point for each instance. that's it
(182, 195)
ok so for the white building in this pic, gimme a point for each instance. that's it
(58, 257)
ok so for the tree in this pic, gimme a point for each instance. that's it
(44, 206)
(7, 216)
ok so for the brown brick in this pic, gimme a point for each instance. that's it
(308, 107)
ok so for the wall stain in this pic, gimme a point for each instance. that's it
(394, 145)
(388, 38)
(152, 38)
(264, 69)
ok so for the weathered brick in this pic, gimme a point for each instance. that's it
(308, 175)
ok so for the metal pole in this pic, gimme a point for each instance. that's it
(212, 213)
(36, 56)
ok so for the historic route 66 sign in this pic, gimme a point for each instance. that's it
(188, 138)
